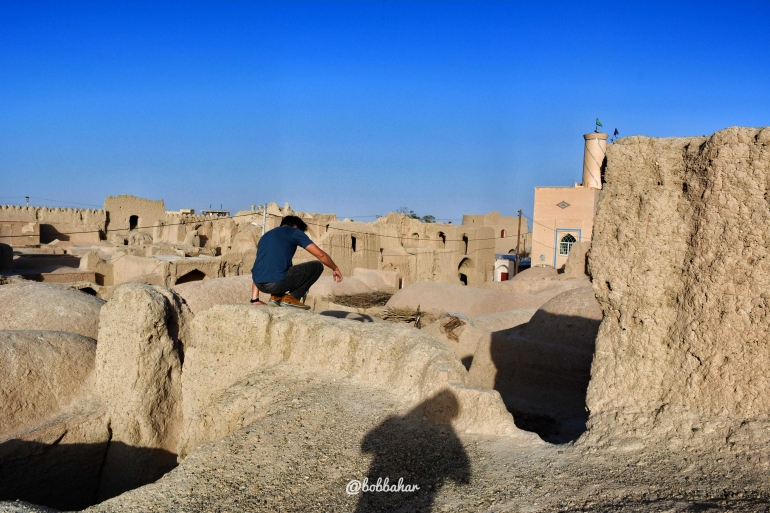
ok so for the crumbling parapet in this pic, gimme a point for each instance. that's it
(138, 375)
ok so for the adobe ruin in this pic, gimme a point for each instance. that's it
(231, 406)
(136, 240)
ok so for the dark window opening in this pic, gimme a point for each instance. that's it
(442, 237)
(463, 279)
(502, 234)
(194, 275)
(353, 243)
(465, 242)
(133, 222)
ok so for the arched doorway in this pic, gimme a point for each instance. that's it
(463, 270)
(133, 222)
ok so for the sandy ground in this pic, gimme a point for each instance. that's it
(315, 437)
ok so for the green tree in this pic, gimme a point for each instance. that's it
(412, 214)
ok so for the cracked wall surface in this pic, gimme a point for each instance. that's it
(680, 267)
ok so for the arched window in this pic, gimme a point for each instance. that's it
(566, 244)
(502, 234)
(442, 238)
(463, 268)
(465, 243)
(133, 222)
(353, 243)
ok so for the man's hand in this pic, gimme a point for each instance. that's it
(337, 275)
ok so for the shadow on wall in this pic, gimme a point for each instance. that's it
(421, 448)
(542, 373)
(49, 233)
(69, 476)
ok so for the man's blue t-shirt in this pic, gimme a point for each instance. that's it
(274, 253)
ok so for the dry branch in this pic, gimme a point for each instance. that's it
(366, 300)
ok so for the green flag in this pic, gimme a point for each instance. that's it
(598, 123)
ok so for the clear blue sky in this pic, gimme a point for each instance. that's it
(357, 108)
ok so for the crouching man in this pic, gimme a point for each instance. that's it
(273, 273)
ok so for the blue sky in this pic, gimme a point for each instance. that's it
(356, 108)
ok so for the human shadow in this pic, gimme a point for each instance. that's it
(71, 476)
(352, 316)
(421, 448)
(542, 370)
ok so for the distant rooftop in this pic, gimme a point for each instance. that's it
(218, 213)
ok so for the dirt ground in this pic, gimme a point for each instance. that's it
(317, 436)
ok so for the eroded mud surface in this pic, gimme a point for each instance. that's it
(302, 453)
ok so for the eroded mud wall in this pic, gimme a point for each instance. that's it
(680, 267)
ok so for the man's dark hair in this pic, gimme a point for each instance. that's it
(294, 221)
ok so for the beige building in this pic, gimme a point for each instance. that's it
(128, 213)
(505, 229)
(565, 215)
(135, 239)
(25, 225)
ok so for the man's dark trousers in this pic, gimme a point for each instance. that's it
(298, 280)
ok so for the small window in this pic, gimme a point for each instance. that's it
(502, 234)
(442, 237)
(566, 244)
(465, 244)
(353, 243)
(133, 222)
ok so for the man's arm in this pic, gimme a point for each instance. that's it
(326, 260)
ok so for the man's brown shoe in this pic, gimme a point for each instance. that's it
(289, 300)
(275, 300)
